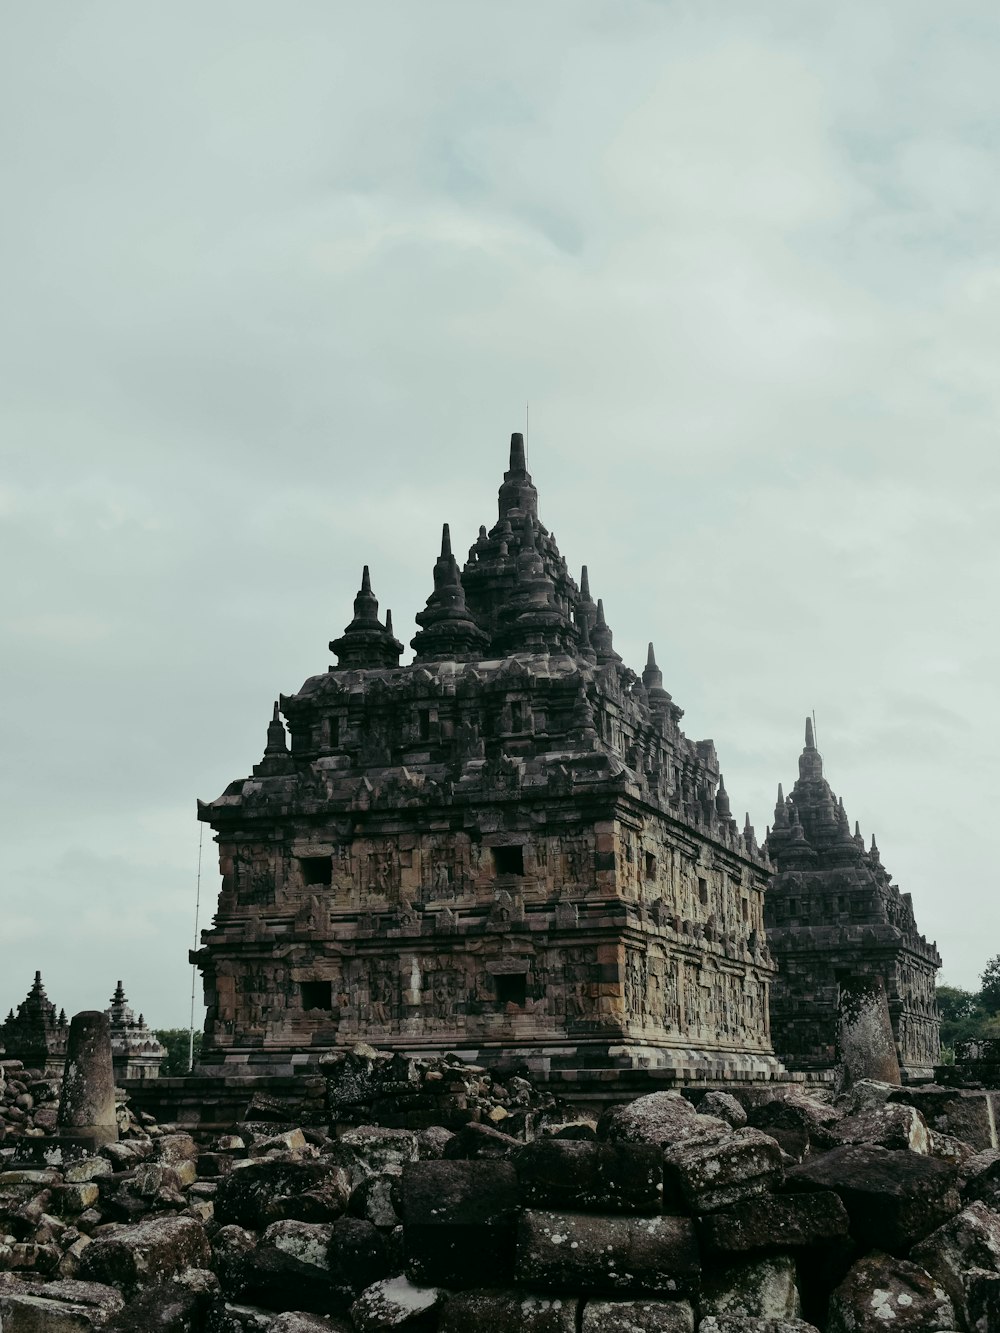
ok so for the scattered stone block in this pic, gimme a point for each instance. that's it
(757, 1289)
(576, 1252)
(160, 1247)
(459, 1221)
(889, 1126)
(881, 1292)
(382, 1149)
(638, 1317)
(892, 1198)
(661, 1118)
(709, 1176)
(969, 1114)
(970, 1240)
(508, 1311)
(724, 1106)
(787, 1221)
(268, 1190)
(576, 1174)
(64, 1306)
(396, 1303)
(734, 1323)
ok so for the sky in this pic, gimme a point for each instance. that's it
(278, 282)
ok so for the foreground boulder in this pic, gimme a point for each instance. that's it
(758, 1289)
(787, 1221)
(160, 1247)
(601, 1177)
(637, 1317)
(267, 1191)
(508, 1311)
(582, 1252)
(459, 1221)
(707, 1176)
(660, 1118)
(396, 1303)
(893, 1198)
(881, 1292)
(65, 1305)
(969, 1241)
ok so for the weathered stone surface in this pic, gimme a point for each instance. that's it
(459, 1219)
(638, 1317)
(64, 1306)
(299, 1321)
(660, 1118)
(786, 1221)
(970, 1240)
(723, 1106)
(576, 1252)
(575, 1174)
(475, 1141)
(971, 1115)
(508, 1311)
(87, 1104)
(373, 1200)
(758, 1289)
(881, 1292)
(890, 1126)
(396, 1303)
(266, 1191)
(892, 1198)
(797, 1122)
(316, 1266)
(735, 1323)
(709, 1176)
(382, 1149)
(158, 1247)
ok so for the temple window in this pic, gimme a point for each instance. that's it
(508, 860)
(650, 866)
(703, 892)
(316, 869)
(512, 989)
(317, 995)
(424, 723)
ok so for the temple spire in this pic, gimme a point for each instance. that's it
(602, 639)
(517, 459)
(517, 496)
(447, 630)
(277, 742)
(722, 804)
(810, 760)
(366, 642)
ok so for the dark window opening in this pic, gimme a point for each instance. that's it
(512, 989)
(792, 905)
(745, 905)
(508, 860)
(703, 892)
(334, 731)
(516, 716)
(317, 869)
(317, 995)
(650, 866)
(841, 903)
(424, 723)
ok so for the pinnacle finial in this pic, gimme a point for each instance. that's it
(517, 459)
(445, 541)
(600, 613)
(366, 582)
(810, 739)
(650, 656)
(388, 621)
(781, 795)
(585, 584)
(275, 717)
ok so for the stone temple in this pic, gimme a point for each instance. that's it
(833, 916)
(506, 846)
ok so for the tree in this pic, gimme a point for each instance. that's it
(178, 1044)
(989, 995)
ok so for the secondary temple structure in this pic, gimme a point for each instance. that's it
(507, 846)
(832, 915)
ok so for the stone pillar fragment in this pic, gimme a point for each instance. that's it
(865, 1044)
(87, 1105)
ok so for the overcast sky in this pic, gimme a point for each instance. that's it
(277, 282)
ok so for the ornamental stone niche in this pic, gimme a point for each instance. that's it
(835, 921)
(506, 847)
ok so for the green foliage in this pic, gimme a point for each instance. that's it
(177, 1042)
(989, 996)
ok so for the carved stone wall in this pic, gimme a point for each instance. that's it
(507, 845)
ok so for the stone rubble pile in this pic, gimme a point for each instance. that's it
(789, 1216)
(28, 1102)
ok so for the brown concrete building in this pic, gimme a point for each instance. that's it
(507, 846)
(832, 914)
